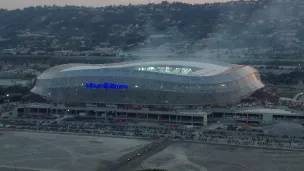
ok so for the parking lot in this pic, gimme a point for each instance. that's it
(49, 152)
(203, 157)
(52, 152)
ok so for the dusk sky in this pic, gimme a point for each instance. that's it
(13, 4)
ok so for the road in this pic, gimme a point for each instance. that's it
(301, 86)
(130, 161)
(16, 168)
(118, 58)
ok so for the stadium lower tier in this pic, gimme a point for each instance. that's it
(141, 96)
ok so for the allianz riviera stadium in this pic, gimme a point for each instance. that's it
(164, 81)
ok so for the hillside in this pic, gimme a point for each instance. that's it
(274, 25)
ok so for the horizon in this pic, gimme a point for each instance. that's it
(20, 4)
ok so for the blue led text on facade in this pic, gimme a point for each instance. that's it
(106, 85)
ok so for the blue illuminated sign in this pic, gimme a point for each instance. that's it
(106, 85)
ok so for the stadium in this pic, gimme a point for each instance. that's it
(153, 82)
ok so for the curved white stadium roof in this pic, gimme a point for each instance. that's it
(202, 68)
(210, 72)
(205, 69)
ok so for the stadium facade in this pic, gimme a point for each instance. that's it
(164, 81)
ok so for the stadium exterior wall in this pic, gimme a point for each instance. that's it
(67, 83)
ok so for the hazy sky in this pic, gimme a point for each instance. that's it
(13, 4)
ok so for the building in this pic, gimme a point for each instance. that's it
(196, 117)
(112, 112)
(161, 81)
